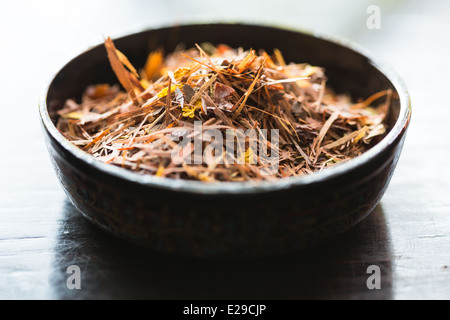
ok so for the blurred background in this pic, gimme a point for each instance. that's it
(41, 233)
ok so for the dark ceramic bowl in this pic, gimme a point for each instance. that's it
(227, 220)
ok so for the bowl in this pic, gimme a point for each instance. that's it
(229, 220)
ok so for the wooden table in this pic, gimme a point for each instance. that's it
(41, 234)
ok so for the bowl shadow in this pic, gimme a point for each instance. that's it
(113, 269)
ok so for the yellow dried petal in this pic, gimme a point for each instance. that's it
(189, 112)
(73, 115)
(180, 73)
(160, 171)
(249, 157)
(164, 92)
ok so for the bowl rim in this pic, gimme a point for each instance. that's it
(248, 187)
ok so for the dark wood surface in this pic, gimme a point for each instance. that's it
(41, 234)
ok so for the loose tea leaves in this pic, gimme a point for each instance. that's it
(215, 113)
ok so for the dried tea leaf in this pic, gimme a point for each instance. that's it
(179, 97)
(357, 135)
(119, 69)
(189, 92)
(124, 60)
(247, 61)
(221, 92)
(199, 93)
(279, 57)
(226, 90)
